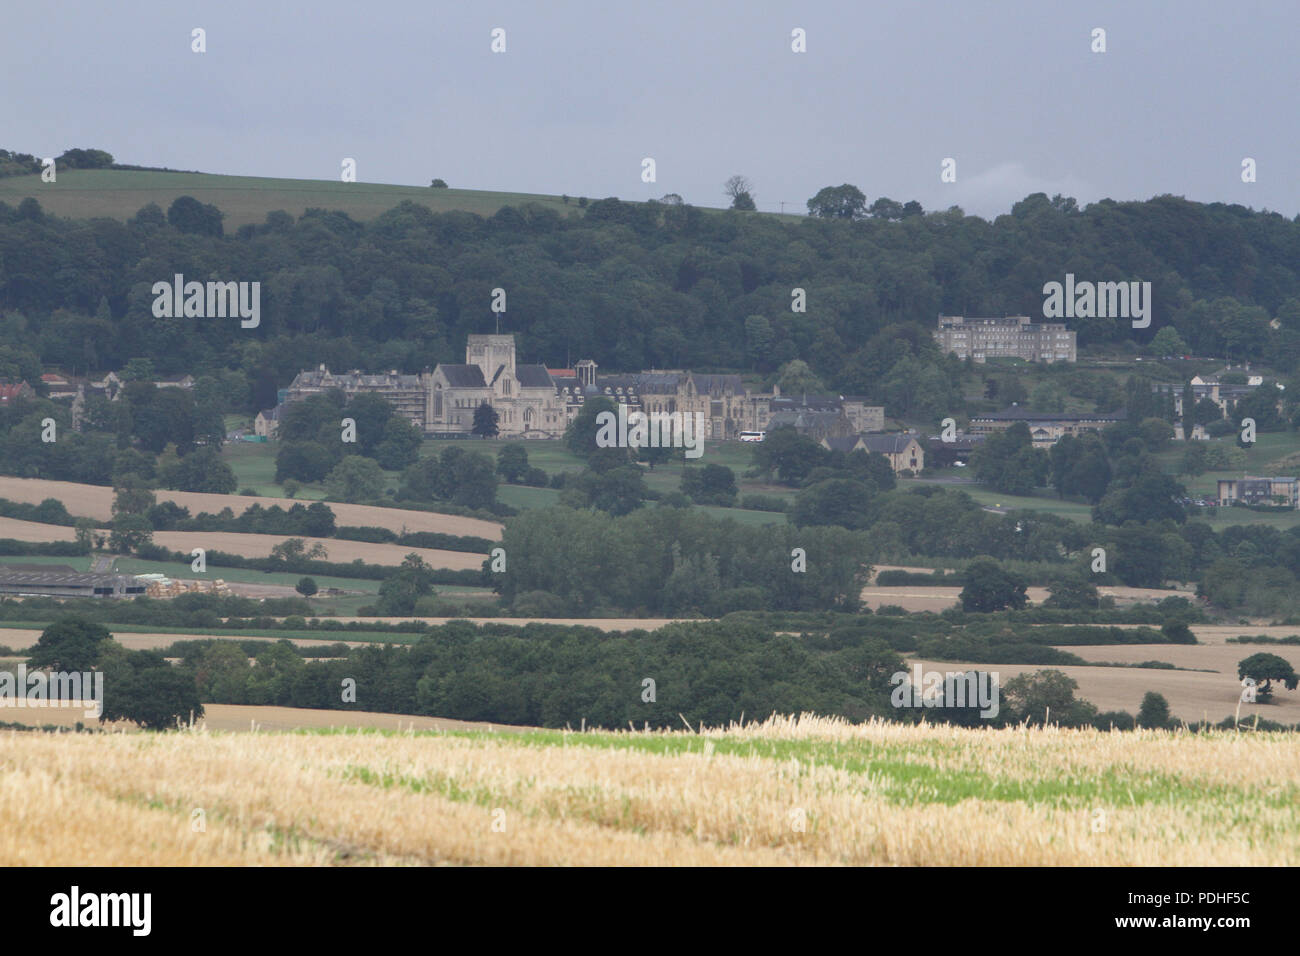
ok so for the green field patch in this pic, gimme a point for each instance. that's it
(119, 194)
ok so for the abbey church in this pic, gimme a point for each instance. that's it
(533, 401)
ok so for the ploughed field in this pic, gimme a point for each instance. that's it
(783, 792)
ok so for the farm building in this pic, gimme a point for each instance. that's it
(59, 580)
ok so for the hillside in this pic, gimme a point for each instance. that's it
(119, 194)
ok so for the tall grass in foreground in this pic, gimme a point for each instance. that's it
(806, 790)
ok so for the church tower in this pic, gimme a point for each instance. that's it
(490, 352)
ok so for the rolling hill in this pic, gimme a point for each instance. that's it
(119, 194)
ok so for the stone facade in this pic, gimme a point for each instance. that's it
(533, 401)
(1010, 337)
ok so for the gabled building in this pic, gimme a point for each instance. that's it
(1046, 428)
(902, 450)
(1260, 491)
(405, 392)
(524, 396)
(11, 392)
(267, 422)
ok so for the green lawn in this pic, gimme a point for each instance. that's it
(1043, 501)
(254, 466)
(76, 562)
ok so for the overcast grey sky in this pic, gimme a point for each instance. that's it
(586, 90)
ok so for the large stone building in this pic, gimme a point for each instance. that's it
(405, 392)
(1046, 428)
(524, 396)
(532, 401)
(1260, 491)
(1013, 336)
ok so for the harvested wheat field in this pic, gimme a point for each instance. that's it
(22, 638)
(807, 791)
(260, 545)
(920, 598)
(1222, 658)
(1192, 695)
(599, 623)
(251, 718)
(96, 501)
(35, 531)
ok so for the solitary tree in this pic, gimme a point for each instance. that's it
(989, 587)
(306, 587)
(512, 463)
(485, 421)
(1072, 592)
(410, 582)
(741, 191)
(295, 549)
(1154, 712)
(355, 479)
(838, 202)
(1264, 669)
(70, 644)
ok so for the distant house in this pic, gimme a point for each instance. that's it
(865, 418)
(903, 451)
(943, 454)
(817, 423)
(1046, 428)
(12, 392)
(267, 422)
(58, 385)
(1260, 491)
(1209, 387)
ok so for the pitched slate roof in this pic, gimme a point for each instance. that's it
(463, 376)
(717, 383)
(845, 444)
(533, 376)
(887, 444)
(804, 418)
(1014, 413)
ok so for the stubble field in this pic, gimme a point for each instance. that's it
(809, 791)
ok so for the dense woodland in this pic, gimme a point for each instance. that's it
(633, 285)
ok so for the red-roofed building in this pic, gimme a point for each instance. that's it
(11, 393)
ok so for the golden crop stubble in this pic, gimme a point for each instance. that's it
(582, 803)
